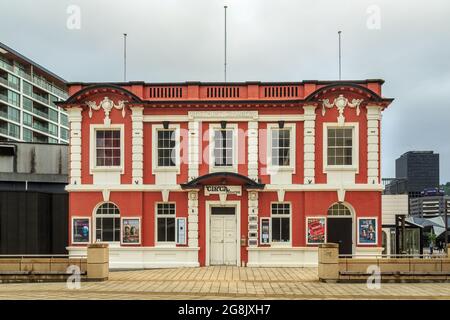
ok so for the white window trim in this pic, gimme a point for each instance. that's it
(212, 167)
(292, 144)
(155, 129)
(167, 244)
(93, 147)
(90, 230)
(94, 224)
(281, 244)
(355, 147)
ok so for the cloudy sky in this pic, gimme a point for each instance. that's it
(407, 43)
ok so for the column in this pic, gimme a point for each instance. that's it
(253, 150)
(373, 147)
(252, 218)
(193, 149)
(193, 219)
(309, 127)
(138, 144)
(74, 116)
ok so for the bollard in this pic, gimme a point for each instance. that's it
(328, 262)
(98, 262)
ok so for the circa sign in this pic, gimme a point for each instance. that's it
(221, 189)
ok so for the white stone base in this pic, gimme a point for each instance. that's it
(367, 252)
(282, 257)
(147, 257)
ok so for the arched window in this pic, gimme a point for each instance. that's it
(338, 209)
(107, 223)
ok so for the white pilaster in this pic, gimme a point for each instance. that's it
(74, 116)
(373, 132)
(252, 218)
(253, 150)
(309, 127)
(193, 219)
(193, 149)
(138, 144)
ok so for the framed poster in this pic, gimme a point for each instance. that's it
(81, 230)
(131, 230)
(181, 230)
(316, 230)
(265, 231)
(367, 231)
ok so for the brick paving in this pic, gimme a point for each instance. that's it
(222, 283)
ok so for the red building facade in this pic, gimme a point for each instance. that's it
(252, 174)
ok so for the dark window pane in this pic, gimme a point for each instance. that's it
(161, 229)
(170, 229)
(285, 229)
(276, 229)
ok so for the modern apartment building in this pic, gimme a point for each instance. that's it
(28, 93)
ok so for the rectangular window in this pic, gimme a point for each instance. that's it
(13, 114)
(28, 119)
(13, 81)
(27, 134)
(165, 217)
(27, 88)
(64, 119)
(27, 104)
(340, 146)
(223, 148)
(53, 129)
(166, 148)
(64, 134)
(281, 147)
(107, 148)
(281, 221)
(53, 115)
(13, 130)
(13, 98)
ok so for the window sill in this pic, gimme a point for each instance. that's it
(340, 168)
(276, 169)
(166, 169)
(107, 169)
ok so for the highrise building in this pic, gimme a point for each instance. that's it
(28, 93)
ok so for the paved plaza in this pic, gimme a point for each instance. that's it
(222, 283)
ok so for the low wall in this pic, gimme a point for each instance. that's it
(53, 269)
(282, 257)
(403, 269)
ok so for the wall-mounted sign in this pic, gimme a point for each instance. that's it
(131, 230)
(315, 230)
(181, 230)
(265, 231)
(367, 231)
(222, 189)
(81, 228)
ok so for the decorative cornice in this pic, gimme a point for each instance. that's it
(341, 102)
(107, 105)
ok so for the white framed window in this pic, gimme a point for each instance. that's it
(165, 223)
(223, 149)
(340, 146)
(166, 147)
(281, 147)
(280, 223)
(107, 223)
(106, 148)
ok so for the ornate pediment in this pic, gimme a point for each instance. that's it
(107, 105)
(341, 102)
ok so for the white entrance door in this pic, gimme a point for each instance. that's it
(223, 239)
